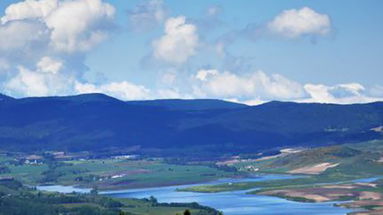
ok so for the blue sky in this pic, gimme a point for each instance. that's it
(247, 51)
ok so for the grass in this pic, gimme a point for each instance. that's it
(105, 173)
(267, 185)
(29, 174)
(141, 207)
(17, 199)
(356, 161)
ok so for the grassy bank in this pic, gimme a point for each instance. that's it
(353, 161)
(16, 199)
(109, 174)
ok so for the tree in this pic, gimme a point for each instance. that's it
(153, 200)
(94, 191)
(187, 212)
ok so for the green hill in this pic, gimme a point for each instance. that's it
(96, 122)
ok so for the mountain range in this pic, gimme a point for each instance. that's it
(96, 122)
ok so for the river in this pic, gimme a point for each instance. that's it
(231, 203)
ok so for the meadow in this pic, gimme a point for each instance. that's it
(109, 174)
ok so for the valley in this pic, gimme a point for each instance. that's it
(202, 107)
(19, 199)
(275, 155)
(312, 176)
(109, 173)
(356, 177)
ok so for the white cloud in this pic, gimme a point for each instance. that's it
(49, 39)
(252, 89)
(168, 78)
(257, 85)
(203, 74)
(27, 83)
(19, 35)
(123, 90)
(29, 9)
(339, 94)
(43, 43)
(48, 64)
(38, 83)
(179, 42)
(78, 25)
(248, 102)
(305, 21)
(74, 25)
(147, 15)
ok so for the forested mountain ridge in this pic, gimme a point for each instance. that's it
(96, 122)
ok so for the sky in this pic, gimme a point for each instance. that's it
(247, 51)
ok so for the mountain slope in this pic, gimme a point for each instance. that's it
(191, 104)
(5, 98)
(97, 122)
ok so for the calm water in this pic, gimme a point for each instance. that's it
(231, 203)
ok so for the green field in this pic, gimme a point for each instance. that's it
(141, 207)
(356, 161)
(17, 199)
(112, 173)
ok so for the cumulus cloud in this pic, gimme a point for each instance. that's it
(48, 79)
(49, 42)
(28, 83)
(147, 15)
(44, 81)
(75, 25)
(19, 35)
(256, 85)
(69, 34)
(50, 39)
(59, 33)
(340, 94)
(168, 78)
(123, 90)
(48, 64)
(52, 28)
(305, 21)
(203, 74)
(179, 42)
(29, 9)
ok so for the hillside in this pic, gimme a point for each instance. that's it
(5, 98)
(96, 122)
(347, 172)
(191, 105)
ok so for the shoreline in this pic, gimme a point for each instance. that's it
(116, 188)
(155, 191)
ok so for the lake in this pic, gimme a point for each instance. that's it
(231, 203)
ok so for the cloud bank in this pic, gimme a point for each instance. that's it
(51, 39)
